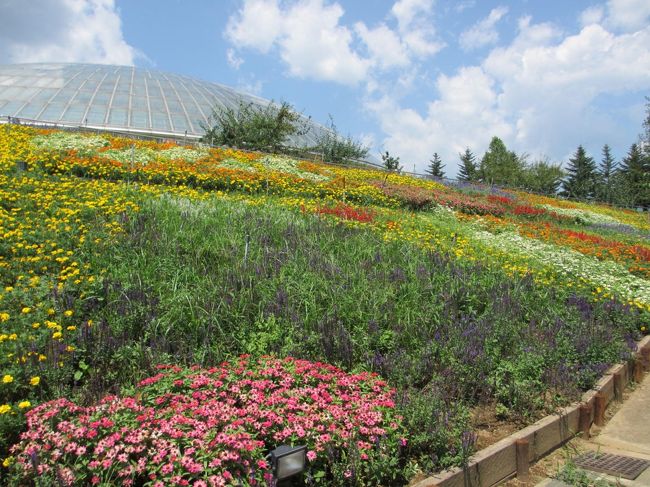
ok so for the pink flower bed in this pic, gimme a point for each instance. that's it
(215, 427)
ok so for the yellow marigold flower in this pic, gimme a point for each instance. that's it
(35, 381)
(26, 310)
(70, 348)
(9, 289)
(4, 316)
(50, 311)
(42, 358)
(71, 328)
(7, 461)
(35, 325)
(7, 379)
(5, 408)
(68, 312)
(56, 335)
(24, 404)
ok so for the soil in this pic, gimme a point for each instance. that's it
(490, 428)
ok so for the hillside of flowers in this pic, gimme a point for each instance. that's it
(166, 312)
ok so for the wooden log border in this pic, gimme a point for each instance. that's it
(498, 462)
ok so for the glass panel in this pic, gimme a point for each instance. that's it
(118, 117)
(180, 123)
(52, 112)
(83, 97)
(139, 119)
(49, 83)
(45, 94)
(139, 102)
(160, 121)
(174, 106)
(103, 98)
(120, 100)
(106, 87)
(154, 90)
(139, 90)
(12, 107)
(31, 110)
(96, 114)
(74, 113)
(157, 104)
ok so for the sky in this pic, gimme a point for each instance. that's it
(411, 77)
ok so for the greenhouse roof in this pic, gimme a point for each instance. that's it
(122, 98)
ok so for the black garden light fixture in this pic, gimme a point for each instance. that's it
(288, 461)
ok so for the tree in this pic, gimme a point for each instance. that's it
(543, 177)
(582, 176)
(251, 126)
(635, 171)
(501, 166)
(435, 167)
(606, 173)
(468, 170)
(338, 149)
(391, 163)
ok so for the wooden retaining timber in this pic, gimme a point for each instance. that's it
(512, 456)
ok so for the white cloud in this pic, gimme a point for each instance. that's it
(313, 42)
(539, 94)
(484, 32)
(628, 15)
(310, 39)
(415, 26)
(592, 15)
(63, 31)
(315, 45)
(407, 11)
(384, 46)
(233, 59)
(257, 25)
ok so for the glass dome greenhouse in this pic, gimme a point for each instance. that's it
(120, 98)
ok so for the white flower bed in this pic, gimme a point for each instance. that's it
(608, 275)
(584, 216)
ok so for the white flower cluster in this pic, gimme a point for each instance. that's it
(288, 165)
(65, 141)
(607, 275)
(583, 216)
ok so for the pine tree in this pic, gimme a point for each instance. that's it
(582, 176)
(500, 166)
(635, 170)
(606, 175)
(468, 170)
(435, 167)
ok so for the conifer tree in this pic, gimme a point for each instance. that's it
(435, 168)
(582, 176)
(635, 170)
(468, 170)
(606, 175)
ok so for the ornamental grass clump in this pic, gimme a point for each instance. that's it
(215, 426)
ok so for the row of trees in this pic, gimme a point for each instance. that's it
(625, 183)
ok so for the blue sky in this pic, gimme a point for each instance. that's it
(409, 76)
